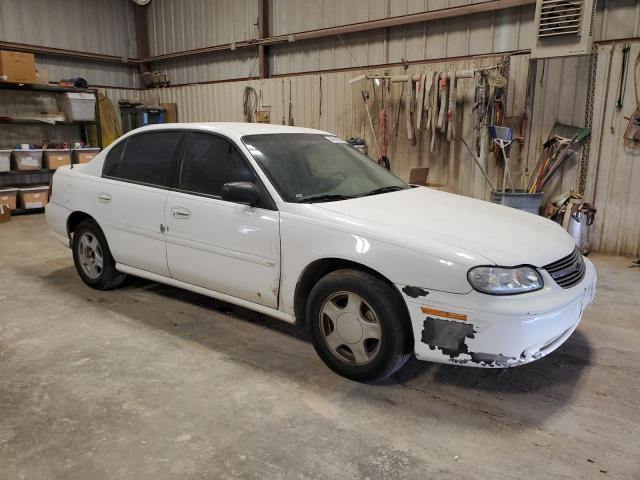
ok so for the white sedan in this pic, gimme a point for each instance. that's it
(296, 224)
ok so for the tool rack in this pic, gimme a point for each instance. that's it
(34, 177)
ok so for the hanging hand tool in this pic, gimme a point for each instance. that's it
(420, 100)
(435, 88)
(291, 123)
(409, 110)
(452, 105)
(283, 121)
(444, 102)
(373, 130)
(396, 122)
(429, 100)
(622, 84)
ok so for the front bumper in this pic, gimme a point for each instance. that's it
(482, 330)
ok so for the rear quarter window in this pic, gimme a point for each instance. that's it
(143, 158)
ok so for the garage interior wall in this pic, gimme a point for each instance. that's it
(315, 75)
(102, 27)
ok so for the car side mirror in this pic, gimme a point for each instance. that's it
(241, 192)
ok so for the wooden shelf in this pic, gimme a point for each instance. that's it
(30, 87)
(42, 123)
(26, 211)
(27, 172)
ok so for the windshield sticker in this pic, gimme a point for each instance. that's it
(335, 140)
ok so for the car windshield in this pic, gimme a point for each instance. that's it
(306, 167)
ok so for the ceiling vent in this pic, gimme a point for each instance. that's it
(563, 28)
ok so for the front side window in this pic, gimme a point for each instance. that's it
(308, 167)
(146, 158)
(210, 162)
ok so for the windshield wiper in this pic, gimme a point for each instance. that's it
(324, 198)
(383, 190)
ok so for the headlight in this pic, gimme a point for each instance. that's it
(505, 281)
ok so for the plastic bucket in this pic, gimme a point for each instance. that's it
(528, 202)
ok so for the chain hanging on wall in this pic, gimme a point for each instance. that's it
(588, 121)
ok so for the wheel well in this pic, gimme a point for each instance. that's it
(318, 269)
(75, 219)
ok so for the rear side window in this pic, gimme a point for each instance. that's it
(112, 161)
(146, 158)
(210, 162)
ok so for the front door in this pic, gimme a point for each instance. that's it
(227, 247)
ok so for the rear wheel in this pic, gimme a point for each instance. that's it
(92, 257)
(358, 325)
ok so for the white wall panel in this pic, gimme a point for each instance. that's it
(85, 25)
(184, 25)
(617, 19)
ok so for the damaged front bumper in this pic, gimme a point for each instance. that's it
(482, 330)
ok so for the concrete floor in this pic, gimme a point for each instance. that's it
(152, 382)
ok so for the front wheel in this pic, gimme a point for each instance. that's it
(93, 259)
(358, 325)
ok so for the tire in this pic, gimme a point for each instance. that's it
(333, 308)
(88, 242)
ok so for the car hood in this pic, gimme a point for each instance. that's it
(506, 236)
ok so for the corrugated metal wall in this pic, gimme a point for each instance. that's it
(615, 178)
(104, 27)
(185, 25)
(96, 73)
(560, 96)
(502, 31)
(198, 23)
(220, 66)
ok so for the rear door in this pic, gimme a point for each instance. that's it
(132, 197)
(224, 246)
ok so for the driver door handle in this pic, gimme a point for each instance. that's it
(180, 213)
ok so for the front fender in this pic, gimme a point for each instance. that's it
(435, 267)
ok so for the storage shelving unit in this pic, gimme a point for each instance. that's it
(33, 177)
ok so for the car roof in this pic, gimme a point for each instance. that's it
(233, 128)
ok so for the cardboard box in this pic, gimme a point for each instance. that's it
(33, 197)
(5, 213)
(84, 155)
(418, 176)
(54, 158)
(26, 159)
(8, 196)
(18, 67)
(170, 112)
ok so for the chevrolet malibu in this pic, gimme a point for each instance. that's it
(296, 224)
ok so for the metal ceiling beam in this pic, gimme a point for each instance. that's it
(142, 35)
(263, 32)
(61, 52)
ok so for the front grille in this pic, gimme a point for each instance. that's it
(567, 271)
